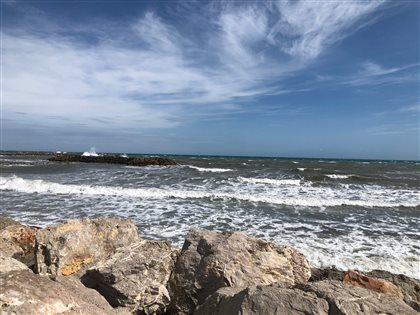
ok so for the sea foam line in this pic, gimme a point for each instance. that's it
(205, 169)
(44, 187)
(338, 176)
(278, 182)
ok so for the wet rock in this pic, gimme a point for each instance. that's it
(370, 283)
(71, 247)
(344, 299)
(113, 159)
(19, 242)
(23, 292)
(135, 277)
(8, 263)
(256, 300)
(211, 260)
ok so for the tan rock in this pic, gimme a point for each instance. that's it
(71, 247)
(135, 277)
(378, 285)
(6, 221)
(211, 260)
(23, 292)
(8, 263)
(23, 239)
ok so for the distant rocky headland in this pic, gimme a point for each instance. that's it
(97, 158)
(102, 266)
(27, 153)
(113, 159)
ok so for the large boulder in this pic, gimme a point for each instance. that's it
(18, 241)
(71, 247)
(344, 299)
(23, 292)
(8, 263)
(135, 277)
(320, 298)
(409, 287)
(211, 260)
(375, 284)
(263, 300)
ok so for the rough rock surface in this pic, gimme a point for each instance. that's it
(113, 159)
(6, 221)
(8, 263)
(135, 277)
(330, 273)
(409, 287)
(211, 260)
(263, 300)
(64, 249)
(370, 283)
(324, 297)
(346, 299)
(18, 241)
(23, 292)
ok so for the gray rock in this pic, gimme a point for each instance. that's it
(71, 247)
(135, 277)
(409, 287)
(211, 260)
(346, 299)
(23, 292)
(273, 299)
(8, 263)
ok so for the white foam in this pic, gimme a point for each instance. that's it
(338, 176)
(91, 152)
(301, 169)
(279, 182)
(214, 170)
(312, 197)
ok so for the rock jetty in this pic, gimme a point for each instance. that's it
(113, 159)
(102, 266)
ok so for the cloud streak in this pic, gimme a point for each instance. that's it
(157, 76)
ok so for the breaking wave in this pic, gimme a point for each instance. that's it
(292, 195)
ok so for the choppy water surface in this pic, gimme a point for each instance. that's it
(351, 214)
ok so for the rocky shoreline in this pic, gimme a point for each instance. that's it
(102, 266)
(113, 159)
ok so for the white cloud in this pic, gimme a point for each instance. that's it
(151, 74)
(306, 28)
(375, 74)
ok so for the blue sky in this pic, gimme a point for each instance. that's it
(280, 78)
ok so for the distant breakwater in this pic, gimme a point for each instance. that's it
(113, 159)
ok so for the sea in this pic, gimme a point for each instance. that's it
(351, 214)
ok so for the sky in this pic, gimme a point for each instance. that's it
(333, 79)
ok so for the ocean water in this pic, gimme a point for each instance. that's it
(351, 214)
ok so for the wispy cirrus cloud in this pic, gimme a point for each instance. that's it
(371, 73)
(148, 73)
